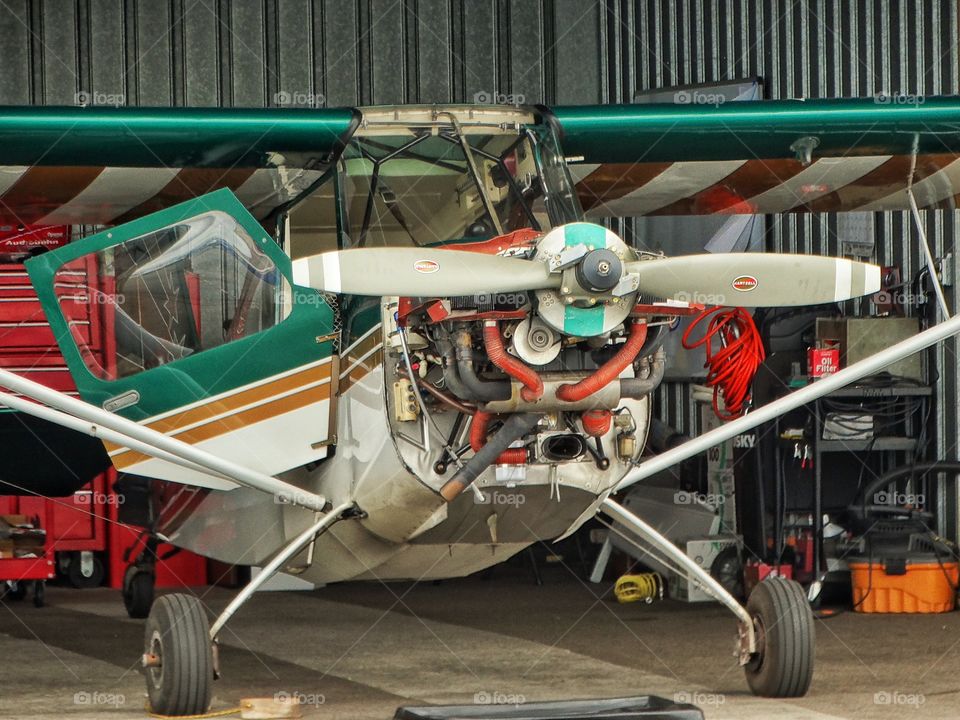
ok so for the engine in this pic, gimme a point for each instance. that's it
(544, 374)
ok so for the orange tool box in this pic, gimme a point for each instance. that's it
(904, 586)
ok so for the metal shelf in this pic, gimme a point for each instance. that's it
(880, 444)
(864, 391)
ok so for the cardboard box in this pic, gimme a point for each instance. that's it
(6, 549)
(859, 338)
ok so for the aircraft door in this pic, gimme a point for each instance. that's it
(187, 321)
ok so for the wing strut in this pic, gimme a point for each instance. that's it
(150, 441)
(931, 265)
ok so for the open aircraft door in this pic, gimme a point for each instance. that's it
(200, 334)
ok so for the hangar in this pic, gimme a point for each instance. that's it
(496, 359)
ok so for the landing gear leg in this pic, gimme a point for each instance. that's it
(180, 657)
(775, 629)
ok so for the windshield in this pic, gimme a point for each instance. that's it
(423, 190)
(168, 294)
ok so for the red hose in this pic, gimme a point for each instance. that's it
(596, 423)
(533, 385)
(478, 438)
(610, 370)
(730, 369)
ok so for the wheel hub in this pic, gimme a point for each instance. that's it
(153, 660)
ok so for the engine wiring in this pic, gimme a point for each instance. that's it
(731, 367)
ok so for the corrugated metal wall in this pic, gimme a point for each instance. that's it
(340, 52)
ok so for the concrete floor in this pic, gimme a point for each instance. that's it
(359, 651)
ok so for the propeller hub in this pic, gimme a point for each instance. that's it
(599, 270)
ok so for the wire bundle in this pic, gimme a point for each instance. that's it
(731, 367)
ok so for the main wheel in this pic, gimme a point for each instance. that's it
(179, 656)
(138, 592)
(783, 665)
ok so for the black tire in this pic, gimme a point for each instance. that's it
(783, 666)
(78, 579)
(39, 593)
(727, 570)
(13, 590)
(138, 587)
(177, 633)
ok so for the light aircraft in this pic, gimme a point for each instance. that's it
(343, 342)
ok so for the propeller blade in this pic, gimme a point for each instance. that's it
(419, 272)
(756, 279)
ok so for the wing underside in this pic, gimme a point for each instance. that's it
(856, 155)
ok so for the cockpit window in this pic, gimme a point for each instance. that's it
(168, 294)
(424, 189)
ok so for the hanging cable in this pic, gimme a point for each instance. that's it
(731, 367)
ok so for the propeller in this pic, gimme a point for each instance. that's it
(418, 272)
(731, 279)
(756, 279)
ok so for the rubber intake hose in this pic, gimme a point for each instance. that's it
(451, 377)
(636, 388)
(481, 390)
(493, 343)
(516, 426)
(610, 370)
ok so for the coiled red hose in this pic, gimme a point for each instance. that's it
(493, 343)
(478, 438)
(610, 370)
(730, 369)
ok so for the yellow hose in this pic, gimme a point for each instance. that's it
(643, 586)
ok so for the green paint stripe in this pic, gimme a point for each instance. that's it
(585, 234)
(583, 322)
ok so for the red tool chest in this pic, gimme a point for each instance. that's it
(87, 520)
(36, 561)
